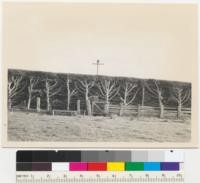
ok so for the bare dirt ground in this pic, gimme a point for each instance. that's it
(37, 127)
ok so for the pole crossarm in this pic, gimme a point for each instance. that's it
(98, 64)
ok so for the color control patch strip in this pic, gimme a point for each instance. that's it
(98, 161)
(99, 166)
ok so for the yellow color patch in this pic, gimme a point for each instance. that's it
(115, 166)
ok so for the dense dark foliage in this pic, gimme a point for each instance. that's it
(145, 90)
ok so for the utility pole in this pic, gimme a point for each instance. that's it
(98, 64)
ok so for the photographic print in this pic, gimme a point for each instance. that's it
(100, 75)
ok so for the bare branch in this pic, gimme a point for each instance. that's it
(51, 94)
(128, 88)
(80, 88)
(73, 92)
(151, 90)
(84, 85)
(187, 97)
(91, 84)
(116, 92)
(133, 98)
(156, 84)
(181, 94)
(14, 86)
(107, 89)
(51, 87)
(101, 90)
(52, 84)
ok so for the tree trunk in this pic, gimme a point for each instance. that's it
(68, 104)
(125, 97)
(143, 92)
(29, 98)
(38, 104)
(89, 111)
(161, 110)
(106, 107)
(29, 102)
(48, 97)
(179, 105)
(68, 95)
(48, 104)
(138, 111)
(179, 110)
(160, 104)
(121, 109)
(88, 105)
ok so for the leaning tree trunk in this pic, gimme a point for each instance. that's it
(29, 98)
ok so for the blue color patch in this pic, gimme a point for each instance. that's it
(152, 166)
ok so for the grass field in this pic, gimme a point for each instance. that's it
(37, 127)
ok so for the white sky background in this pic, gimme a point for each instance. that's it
(145, 41)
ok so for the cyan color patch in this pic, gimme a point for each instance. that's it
(152, 166)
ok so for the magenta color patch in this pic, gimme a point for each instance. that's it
(75, 166)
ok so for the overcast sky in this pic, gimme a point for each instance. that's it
(145, 41)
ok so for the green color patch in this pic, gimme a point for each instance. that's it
(134, 166)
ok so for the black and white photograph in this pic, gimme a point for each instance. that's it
(100, 74)
(77, 107)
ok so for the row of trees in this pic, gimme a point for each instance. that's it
(126, 91)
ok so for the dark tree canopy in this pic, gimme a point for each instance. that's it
(63, 90)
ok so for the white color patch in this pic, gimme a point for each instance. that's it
(174, 156)
(60, 166)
